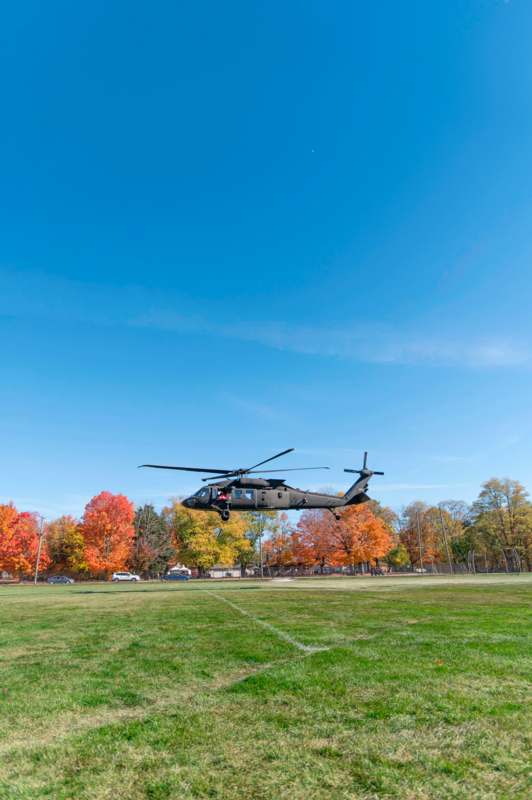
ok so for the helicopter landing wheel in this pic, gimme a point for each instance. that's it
(225, 514)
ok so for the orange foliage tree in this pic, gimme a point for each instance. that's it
(108, 532)
(19, 541)
(316, 532)
(360, 537)
(277, 550)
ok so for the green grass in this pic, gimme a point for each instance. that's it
(408, 688)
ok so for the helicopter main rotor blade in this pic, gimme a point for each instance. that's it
(262, 472)
(188, 469)
(292, 469)
(225, 472)
(283, 453)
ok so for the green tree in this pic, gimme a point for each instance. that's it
(398, 557)
(153, 545)
(461, 546)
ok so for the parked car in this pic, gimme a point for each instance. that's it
(60, 579)
(125, 576)
(176, 576)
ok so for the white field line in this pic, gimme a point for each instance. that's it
(305, 648)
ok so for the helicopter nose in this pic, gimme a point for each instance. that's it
(187, 502)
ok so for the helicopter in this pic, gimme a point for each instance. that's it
(234, 489)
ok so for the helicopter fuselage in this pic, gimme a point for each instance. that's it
(254, 494)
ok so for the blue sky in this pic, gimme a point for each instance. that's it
(228, 229)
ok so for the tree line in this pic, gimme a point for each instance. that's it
(112, 536)
(493, 533)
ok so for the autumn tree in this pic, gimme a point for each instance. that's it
(360, 537)
(202, 540)
(9, 548)
(502, 518)
(19, 541)
(153, 546)
(65, 546)
(387, 515)
(277, 549)
(258, 524)
(458, 515)
(232, 538)
(316, 529)
(420, 533)
(108, 532)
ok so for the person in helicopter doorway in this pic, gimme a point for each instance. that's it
(224, 496)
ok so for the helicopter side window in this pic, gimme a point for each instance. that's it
(244, 495)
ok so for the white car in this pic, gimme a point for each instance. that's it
(125, 576)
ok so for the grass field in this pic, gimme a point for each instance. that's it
(334, 688)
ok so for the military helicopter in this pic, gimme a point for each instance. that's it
(233, 489)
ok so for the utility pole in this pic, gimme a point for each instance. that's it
(419, 541)
(39, 548)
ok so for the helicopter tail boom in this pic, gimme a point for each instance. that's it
(356, 498)
(357, 492)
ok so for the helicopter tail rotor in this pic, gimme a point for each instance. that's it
(365, 470)
(357, 492)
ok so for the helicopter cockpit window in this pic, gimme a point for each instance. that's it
(203, 492)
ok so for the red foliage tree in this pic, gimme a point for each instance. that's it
(302, 555)
(19, 541)
(108, 532)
